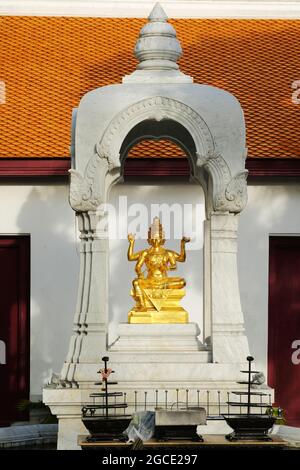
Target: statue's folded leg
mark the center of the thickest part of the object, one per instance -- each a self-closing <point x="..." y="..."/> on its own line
<point x="138" y="293"/>
<point x="175" y="283"/>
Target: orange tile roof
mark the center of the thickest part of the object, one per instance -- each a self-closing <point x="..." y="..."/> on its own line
<point x="48" y="63"/>
<point x="156" y="149"/>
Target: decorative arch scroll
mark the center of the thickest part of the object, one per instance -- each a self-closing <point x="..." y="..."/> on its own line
<point x="227" y="192"/>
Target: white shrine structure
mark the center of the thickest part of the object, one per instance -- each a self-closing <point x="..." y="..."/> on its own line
<point x="208" y="123"/>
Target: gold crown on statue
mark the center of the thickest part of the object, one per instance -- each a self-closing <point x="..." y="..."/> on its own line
<point x="156" y="230"/>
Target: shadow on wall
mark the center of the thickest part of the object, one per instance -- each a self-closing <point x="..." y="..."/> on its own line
<point x="270" y="210"/>
<point x="47" y="216"/>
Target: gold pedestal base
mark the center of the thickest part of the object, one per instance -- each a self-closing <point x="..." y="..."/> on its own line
<point x="163" y="316"/>
<point x="161" y="307"/>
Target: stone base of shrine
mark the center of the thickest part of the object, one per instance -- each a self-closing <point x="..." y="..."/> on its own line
<point x="158" y="337"/>
<point x="66" y="404"/>
<point x="154" y="365"/>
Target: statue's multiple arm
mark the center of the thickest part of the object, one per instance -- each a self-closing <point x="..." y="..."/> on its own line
<point x="172" y="259"/>
<point x="139" y="264"/>
<point x="130" y="254"/>
<point x="174" y="256"/>
<point x="139" y="256"/>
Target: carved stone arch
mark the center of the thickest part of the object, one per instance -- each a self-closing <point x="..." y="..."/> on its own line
<point x="224" y="191"/>
<point x="156" y="108"/>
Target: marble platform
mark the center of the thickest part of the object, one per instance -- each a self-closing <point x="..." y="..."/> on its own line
<point x="157" y="337"/>
<point x="148" y="360"/>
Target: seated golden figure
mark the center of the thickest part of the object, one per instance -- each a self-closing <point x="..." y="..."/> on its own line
<point x="157" y="296"/>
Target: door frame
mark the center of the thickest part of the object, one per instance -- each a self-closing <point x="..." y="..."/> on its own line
<point x="275" y="240"/>
<point x="23" y="242"/>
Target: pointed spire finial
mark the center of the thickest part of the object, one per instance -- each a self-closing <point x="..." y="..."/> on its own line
<point x="157" y="13"/>
<point x="157" y="46"/>
<point x="157" y="50"/>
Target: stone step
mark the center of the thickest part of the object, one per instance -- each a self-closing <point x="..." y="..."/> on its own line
<point x="23" y="435"/>
<point x="157" y="337"/>
<point x="159" y="357"/>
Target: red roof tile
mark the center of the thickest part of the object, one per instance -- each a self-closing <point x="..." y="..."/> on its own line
<point x="49" y="63"/>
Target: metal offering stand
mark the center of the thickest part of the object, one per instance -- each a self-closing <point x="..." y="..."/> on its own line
<point x="249" y="425"/>
<point x="101" y="419"/>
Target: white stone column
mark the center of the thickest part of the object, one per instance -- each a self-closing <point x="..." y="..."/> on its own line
<point x="91" y="317"/>
<point x="96" y="316"/>
<point x="207" y="320"/>
<point x="68" y="369"/>
<point x="229" y="342"/>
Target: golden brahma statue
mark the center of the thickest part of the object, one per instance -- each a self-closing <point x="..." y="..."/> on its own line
<point x="157" y="295"/>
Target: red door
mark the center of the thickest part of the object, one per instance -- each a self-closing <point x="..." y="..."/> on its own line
<point x="14" y="326"/>
<point x="284" y="325"/>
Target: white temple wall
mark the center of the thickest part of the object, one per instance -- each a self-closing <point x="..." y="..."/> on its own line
<point x="272" y="209"/>
<point x="174" y="8"/>
<point x="43" y="212"/>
